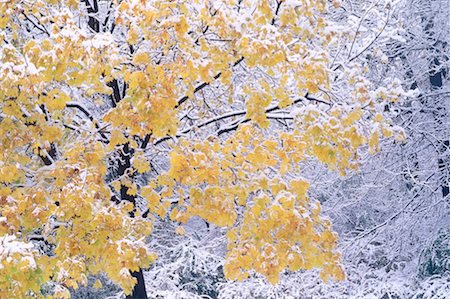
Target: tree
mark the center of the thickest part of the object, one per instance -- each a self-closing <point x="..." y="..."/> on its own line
<point x="117" y="114"/>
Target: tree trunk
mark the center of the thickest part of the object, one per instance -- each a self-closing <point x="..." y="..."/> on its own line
<point x="139" y="291"/>
<point x="436" y="78"/>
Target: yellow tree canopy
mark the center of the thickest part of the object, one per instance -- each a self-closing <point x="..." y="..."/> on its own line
<point x="117" y="112"/>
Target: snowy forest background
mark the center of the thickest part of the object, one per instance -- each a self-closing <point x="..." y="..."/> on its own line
<point x="392" y="215"/>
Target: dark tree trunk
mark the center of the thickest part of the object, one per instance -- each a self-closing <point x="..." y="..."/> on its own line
<point x="139" y="291"/>
<point x="92" y="9"/>
<point x="436" y="77"/>
<point x="443" y="148"/>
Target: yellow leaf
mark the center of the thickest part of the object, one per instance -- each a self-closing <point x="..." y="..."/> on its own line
<point x="180" y="231"/>
<point x="141" y="58"/>
<point x="98" y="284"/>
<point x="132" y="36"/>
<point x="352" y="116"/>
<point x="116" y="185"/>
<point x="141" y="164"/>
<point x="117" y="137"/>
<point x="374" y="141"/>
<point x="132" y="190"/>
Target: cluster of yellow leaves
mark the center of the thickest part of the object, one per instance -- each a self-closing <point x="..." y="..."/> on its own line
<point x="221" y="177"/>
<point x="88" y="230"/>
<point x="66" y="203"/>
<point x="177" y="45"/>
<point x="282" y="234"/>
<point x="17" y="266"/>
<point x="280" y="227"/>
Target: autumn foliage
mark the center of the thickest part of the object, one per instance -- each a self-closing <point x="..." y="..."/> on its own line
<point x="172" y="109"/>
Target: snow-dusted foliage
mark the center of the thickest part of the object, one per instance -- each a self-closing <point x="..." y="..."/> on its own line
<point x="294" y="149"/>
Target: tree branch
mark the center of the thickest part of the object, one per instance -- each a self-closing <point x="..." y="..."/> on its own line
<point x="90" y="117"/>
